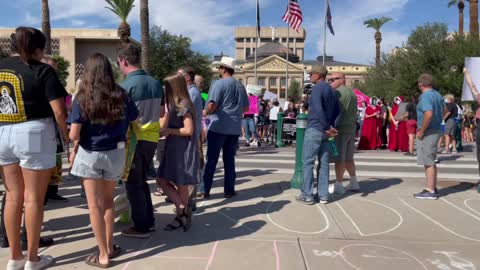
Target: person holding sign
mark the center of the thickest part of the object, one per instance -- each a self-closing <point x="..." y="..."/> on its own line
<point x="476" y="95"/>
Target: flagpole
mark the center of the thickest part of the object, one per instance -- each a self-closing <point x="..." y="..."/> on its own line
<point x="256" y="46"/>
<point x="288" y="53"/>
<point x="325" y="33"/>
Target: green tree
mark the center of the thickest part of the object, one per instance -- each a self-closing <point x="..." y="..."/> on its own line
<point x="122" y="9"/>
<point x="428" y="49"/>
<point x="172" y="51"/>
<point x="377" y="24"/>
<point x="295" y="90"/>
<point x="3" y="54"/>
<point x="62" y="70"/>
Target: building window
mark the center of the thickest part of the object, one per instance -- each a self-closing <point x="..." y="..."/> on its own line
<point x="356" y="81"/>
<point x="283" y="82"/>
<point x="273" y="82"/>
<point x="247" y="52"/>
<point x="261" y="81"/>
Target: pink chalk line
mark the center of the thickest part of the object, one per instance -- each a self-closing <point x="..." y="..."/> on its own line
<point x="277" y="257"/>
<point x="212" y="256"/>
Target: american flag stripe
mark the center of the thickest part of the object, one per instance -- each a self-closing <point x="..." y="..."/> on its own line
<point x="293" y="16"/>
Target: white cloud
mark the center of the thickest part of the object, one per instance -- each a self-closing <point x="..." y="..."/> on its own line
<point x="353" y="42"/>
<point x="78" y="23"/>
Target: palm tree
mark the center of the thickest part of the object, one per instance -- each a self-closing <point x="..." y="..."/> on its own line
<point x="144" y="25"/>
<point x="377" y="24"/>
<point x="461" y="6"/>
<point x="46" y="26"/>
<point x="474" y="18"/>
<point x="122" y="8"/>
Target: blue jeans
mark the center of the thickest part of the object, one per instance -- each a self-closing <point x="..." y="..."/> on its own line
<point x="316" y="145"/>
<point x="217" y="142"/>
<point x="249" y="126"/>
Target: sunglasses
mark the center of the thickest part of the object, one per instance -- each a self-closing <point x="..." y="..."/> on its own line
<point x="333" y="79"/>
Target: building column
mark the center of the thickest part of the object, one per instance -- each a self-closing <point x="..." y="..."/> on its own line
<point x="68" y="51"/>
<point x="245" y="48"/>
<point x="295" y="46"/>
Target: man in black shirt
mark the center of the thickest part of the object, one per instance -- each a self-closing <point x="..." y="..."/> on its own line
<point x="450" y="125"/>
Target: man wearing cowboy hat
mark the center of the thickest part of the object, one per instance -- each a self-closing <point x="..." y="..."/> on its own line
<point x="226" y="103"/>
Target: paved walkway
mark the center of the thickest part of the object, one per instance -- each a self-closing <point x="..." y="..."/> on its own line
<point x="383" y="227"/>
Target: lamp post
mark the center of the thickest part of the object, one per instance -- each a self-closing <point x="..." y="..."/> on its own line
<point x="279" y="130"/>
<point x="297" y="179"/>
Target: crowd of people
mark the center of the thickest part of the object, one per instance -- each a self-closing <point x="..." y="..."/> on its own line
<point x="115" y="129"/>
<point x="392" y="126"/>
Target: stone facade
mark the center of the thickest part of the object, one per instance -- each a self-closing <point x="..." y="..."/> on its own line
<point x="75" y="45"/>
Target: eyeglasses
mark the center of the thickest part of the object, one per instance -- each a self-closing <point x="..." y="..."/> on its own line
<point x="331" y="80"/>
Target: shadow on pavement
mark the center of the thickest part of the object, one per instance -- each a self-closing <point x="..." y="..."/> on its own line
<point x="371" y="186"/>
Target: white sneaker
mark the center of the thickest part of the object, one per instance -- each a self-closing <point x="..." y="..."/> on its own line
<point x="16" y="264"/>
<point x="353" y="186"/>
<point x="44" y="263"/>
<point x="338" y="188"/>
<point x="254" y="143"/>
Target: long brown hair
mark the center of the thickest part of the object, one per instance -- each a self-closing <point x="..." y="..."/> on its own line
<point x="177" y="94"/>
<point x="100" y="98"/>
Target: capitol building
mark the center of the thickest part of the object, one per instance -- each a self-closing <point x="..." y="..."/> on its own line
<point x="271" y="63"/>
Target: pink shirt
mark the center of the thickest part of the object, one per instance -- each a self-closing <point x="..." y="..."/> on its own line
<point x="253" y="109"/>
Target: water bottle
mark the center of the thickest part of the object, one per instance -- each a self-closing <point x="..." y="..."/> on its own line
<point x="333" y="147"/>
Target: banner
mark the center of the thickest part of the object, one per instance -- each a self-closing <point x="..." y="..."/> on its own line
<point x="361" y="97"/>
<point x="473" y="66"/>
<point x="269" y="96"/>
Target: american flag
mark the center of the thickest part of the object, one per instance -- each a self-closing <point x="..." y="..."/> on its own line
<point x="293" y="15"/>
<point x="329" y="19"/>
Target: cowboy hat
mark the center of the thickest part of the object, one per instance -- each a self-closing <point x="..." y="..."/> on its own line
<point x="227" y="62"/>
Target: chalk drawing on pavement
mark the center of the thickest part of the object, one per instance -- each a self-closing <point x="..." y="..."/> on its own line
<point x="440" y="224"/>
<point x="451" y="261"/>
<point x="324" y="215"/>
<point x="373" y="255"/>
<point x="396" y="226"/>
<point x="467" y="204"/>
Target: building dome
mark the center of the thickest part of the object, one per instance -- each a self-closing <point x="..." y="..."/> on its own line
<point x="273" y="48"/>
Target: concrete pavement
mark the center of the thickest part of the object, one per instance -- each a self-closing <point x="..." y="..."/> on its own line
<point x="383" y="227"/>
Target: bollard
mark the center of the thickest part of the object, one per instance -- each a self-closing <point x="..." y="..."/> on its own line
<point x="279" y="130"/>
<point x="297" y="179"/>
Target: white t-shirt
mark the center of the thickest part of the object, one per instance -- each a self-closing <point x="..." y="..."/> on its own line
<point x="274" y="113"/>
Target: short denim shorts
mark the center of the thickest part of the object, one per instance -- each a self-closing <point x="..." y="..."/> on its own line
<point x="32" y="144"/>
<point x="107" y="165"/>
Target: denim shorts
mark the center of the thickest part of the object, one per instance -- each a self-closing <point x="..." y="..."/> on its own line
<point x="107" y="165"/>
<point x="32" y="144"/>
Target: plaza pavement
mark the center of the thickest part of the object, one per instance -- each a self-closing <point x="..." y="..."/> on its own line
<point x="383" y="227"/>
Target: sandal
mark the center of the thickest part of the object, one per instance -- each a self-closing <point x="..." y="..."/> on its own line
<point x="117" y="250"/>
<point x="94" y="261"/>
<point x="175" y="225"/>
<point x="158" y="192"/>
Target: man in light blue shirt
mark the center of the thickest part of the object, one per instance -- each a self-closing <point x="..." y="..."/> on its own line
<point x="227" y="101"/>
<point x="430" y="110"/>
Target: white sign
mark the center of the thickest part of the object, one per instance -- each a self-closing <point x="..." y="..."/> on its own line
<point x="269" y="96"/>
<point x="473" y="66"/>
<point x="254" y="89"/>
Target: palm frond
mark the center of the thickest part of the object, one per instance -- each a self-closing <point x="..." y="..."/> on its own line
<point x="376" y="23"/>
<point x="121" y="8"/>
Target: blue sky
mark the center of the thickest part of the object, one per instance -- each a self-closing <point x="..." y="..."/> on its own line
<point x="210" y="23"/>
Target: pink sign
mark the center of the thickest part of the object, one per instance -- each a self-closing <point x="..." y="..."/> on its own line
<point x="253" y="109"/>
<point x="361" y="97"/>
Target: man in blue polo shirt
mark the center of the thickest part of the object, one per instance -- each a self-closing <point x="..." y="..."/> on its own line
<point x="430" y="111"/>
<point x="227" y="101"/>
<point x="323" y="111"/>
<point x="147" y="93"/>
